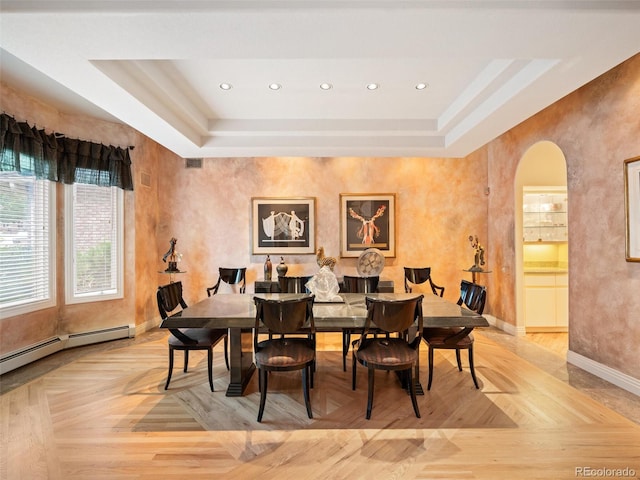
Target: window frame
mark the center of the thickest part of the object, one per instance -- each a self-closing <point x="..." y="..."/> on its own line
<point x="29" y="306"/>
<point x="71" y="297"/>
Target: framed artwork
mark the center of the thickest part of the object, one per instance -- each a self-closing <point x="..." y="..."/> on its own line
<point x="632" y="208"/>
<point x="367" y="221"/>
<point x="283" y="225"/>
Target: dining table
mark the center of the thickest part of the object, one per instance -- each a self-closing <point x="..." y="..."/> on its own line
<point x="237" y="313"/>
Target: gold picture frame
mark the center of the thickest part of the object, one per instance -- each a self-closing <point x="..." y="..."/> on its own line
<point x="632" y="208"/>
<point x="367" y="220"/>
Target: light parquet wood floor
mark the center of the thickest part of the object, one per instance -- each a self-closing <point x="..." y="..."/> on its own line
<point x="105" y="415"/>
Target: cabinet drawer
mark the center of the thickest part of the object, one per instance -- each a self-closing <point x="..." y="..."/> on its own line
<point x="534" y="280"/>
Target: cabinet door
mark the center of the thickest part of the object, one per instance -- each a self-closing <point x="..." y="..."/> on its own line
<point x="562" y="301"/>
<point x="540" y="306"/>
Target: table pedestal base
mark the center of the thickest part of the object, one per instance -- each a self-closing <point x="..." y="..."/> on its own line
<point x="241" y="366"/>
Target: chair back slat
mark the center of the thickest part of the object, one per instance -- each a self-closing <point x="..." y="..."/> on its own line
<point x="294" y="284"/>
<point x="394" y="315"/>
<point x="473" y="296"/>
<point x="169" y="297"/>
<point x="416" y="275"/>
<point x="285" y="316"/>
<point x="230" y="276"/>
<point x="353" y="284"/>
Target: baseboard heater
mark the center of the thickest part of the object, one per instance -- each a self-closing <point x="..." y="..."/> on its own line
<point x="30" y="354"/>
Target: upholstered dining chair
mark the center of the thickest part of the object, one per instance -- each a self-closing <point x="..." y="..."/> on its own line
<point x="418" y="276"/>
<point x="294" y="284"/>
<point x="230" y="276"/>
<point x="473" y="297"/>
<point x="353" y="284"/>
<point x="390" y="353"/>
<point x="291" y="345"/>
<point x="169" y="298"/>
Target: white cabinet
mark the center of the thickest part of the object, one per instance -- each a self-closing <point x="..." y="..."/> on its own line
<point x="546" y="301"/>
<point x="544" y="214"/>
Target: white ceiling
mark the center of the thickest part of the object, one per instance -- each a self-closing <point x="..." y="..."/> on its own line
<point x="156" y="65"/>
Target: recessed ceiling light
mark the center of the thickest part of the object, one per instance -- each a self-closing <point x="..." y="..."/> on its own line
<point x="421" y="86"/>
<point x="326" y="86"/>
<point x="275" y="86"/>
<point x="372" y="86"/>
<point x="225" y="86"/>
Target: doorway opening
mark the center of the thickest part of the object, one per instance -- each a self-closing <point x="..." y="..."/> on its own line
<point x="542" y="243"/>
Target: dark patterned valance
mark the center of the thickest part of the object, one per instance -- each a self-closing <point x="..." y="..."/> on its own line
<point x="30" y="151"/>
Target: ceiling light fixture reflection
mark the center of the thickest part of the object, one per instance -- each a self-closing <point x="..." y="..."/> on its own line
<point x="326" y="86"/>
<point x="421" y="86"/>
<point x="372" y="86"/>
<point x="225" y="86"/>
<point x="275" y="86"/>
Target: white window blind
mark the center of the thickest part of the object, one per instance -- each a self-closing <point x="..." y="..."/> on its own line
<point x="93" y="243"/>
<point x="27" y="244"/>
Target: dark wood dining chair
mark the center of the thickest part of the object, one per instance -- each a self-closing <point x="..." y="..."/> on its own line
<point x="169" y="298"/>
<point x="353" y="284"/>
<point x="294" y="284"/>
<point x="419" y="276"/>
<point x="291" y="345"/>
<point x="473" y="297"/>
<point x="390" y="353"/>
<point x="230" y="276"/>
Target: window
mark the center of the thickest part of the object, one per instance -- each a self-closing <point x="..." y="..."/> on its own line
<point x="27" y="244"/>
<point x="93" y="243"/>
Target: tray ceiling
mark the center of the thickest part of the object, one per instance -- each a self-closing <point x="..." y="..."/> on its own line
<point x="158" y="66"/>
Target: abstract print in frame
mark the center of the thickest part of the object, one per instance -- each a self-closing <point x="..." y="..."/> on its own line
<point x="632" y="208"/>
<point x="282" y="226"/>
<point x="367" y="221"/>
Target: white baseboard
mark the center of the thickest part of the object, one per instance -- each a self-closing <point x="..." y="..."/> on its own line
<point x="146" y="326"/>
<point x="26" y="355"/>
<point x="619" y="379"/>
<point x="609" y="374"/>
<point x="505" y="327"/>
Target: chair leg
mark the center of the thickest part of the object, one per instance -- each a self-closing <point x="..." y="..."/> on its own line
<point x="471" y="367"/>
<point x="346" y="339"/>
<point x="353" y="371"/>
<point x="430" y="367"/>
<point x="412" y="390"/>
<point x="226" y="354"/>
<point x="210" y="366"/>
<point x="458" y="359"/>
<point x="186" y="360"/>
<point x="166" y="385"/>
<point x="305" y="390"/>
<point x="263" y="391"/>
<point x="370" y="392"/>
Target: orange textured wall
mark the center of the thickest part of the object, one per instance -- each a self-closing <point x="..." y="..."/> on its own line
<point x="439" y="203"/>
<point x="597" y="127"/>
<point x="140" y="224"/>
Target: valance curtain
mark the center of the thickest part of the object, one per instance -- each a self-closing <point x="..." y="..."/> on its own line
<point x="30" y="151"/>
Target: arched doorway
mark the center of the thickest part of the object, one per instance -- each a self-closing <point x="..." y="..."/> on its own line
<point x="541" y="243"/>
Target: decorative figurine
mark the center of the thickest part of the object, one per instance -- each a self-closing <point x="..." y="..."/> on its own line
<point x="267" y="269"/>
<point x="172" y="256"/>
<point x="478" y="259"/>
<point x="325" y="261"/>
